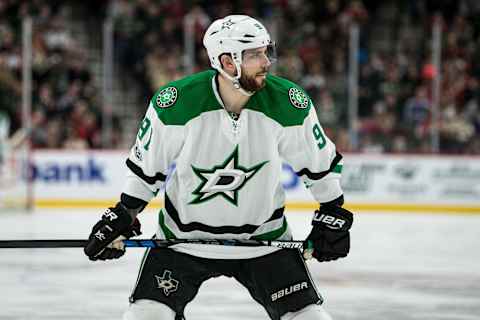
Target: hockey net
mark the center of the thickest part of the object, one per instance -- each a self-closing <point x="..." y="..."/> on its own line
<point x="15" y="185"/>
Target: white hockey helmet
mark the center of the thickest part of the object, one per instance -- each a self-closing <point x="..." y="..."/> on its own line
<point x="234" y="34"/>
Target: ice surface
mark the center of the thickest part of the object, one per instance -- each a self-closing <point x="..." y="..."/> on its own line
<point x="401" y="266"/>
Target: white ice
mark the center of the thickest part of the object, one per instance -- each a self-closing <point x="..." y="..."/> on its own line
<point x="401" y="266"/>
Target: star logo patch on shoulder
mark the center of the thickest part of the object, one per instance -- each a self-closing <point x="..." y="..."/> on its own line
<point x="167" y="97"/>
<point x="298" y="98"/>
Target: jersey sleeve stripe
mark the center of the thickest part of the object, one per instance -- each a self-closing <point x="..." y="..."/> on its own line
<point x="334" y="167"/>
<point x="139" y="172"/>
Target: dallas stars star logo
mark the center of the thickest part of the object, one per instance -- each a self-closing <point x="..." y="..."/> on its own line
<point x="223" y="180"/>
<point x="227" y="24"/>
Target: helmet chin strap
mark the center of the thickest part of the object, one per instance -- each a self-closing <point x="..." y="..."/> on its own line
<point x="236" y="80"/>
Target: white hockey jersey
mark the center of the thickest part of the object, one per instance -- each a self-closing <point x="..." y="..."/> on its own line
<point x="227" y="178"/>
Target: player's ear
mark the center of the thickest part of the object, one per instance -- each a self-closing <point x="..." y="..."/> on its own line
<point x="227" y="63"/>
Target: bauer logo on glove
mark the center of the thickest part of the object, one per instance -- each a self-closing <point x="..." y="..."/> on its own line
<point x="330" y="221"/>
<point x="330" y="237"/>
<point x="105" y="240"/>
<point x="109" y="214"/>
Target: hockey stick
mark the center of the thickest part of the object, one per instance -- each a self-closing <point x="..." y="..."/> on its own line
<point x="154" y="243"/>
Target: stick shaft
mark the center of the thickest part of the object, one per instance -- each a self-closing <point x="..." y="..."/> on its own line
<point x="20" y="244"/>
<point x="152" y="243"/>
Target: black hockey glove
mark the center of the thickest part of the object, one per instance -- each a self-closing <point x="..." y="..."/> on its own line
<point x="330" y="236"/>
<point x="104" y="242"/>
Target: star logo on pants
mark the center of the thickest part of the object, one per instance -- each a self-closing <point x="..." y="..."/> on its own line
<point x="166" y="282"/>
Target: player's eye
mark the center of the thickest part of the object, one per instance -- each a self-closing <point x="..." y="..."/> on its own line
<point x="254" y="55"/>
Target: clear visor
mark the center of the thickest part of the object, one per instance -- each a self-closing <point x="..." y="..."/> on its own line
<point x="258" y="55"/>
<point x="272" y="52"/>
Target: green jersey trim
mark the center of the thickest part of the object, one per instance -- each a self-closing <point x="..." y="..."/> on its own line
<point x="166" y="230"/>
<point x="183" y="100"/>
<point x="338" y="168"/>
<point x="274" y="234"/>
<point x="275" y="101"/>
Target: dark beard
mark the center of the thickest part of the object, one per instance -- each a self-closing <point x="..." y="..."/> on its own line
<point x="250" y="84"/>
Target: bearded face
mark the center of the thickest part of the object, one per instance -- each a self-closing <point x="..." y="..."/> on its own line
<point x="254" y="68"/>
<point x="253" y="80"/>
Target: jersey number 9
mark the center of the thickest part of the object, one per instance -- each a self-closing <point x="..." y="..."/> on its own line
<point x="143" y="131"/>
<point x="319" y="137"/>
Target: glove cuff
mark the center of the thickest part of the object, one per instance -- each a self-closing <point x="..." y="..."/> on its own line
<point x="121" y="218"/>
<point x="335" y="202"/>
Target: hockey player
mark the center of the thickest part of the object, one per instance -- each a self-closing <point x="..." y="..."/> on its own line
<point x="228" y="131"/>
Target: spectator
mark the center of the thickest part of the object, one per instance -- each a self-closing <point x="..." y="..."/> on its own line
<point x="396" y="71"/>
<point x="61" y="77"/>
<point x="417" y="109"/>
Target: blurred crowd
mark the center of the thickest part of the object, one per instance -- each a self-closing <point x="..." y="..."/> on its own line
<point x="65" y="102"/>
<point x="396" y="71"/>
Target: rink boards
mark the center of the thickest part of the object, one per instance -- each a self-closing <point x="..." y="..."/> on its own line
<point x="404" y="183"/>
